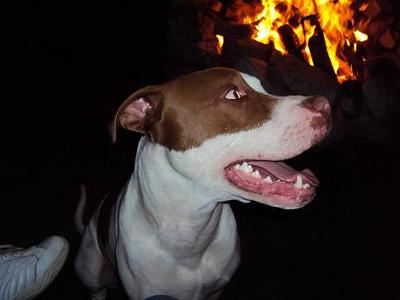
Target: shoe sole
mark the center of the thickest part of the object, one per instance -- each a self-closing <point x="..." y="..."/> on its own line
<point x="48" y="276"/>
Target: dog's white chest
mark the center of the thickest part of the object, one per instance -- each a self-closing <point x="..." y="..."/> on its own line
<point x="150" y="265"/>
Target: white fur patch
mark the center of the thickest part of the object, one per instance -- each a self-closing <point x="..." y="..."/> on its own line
<point x="254" y="83"/>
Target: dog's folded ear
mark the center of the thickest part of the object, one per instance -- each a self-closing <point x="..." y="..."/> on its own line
<point x="138" y="112"/>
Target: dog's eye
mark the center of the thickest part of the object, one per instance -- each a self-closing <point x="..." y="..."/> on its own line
<point x="234" y="94"/>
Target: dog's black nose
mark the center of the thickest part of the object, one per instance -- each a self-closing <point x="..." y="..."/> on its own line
<point x="318" y="104"/>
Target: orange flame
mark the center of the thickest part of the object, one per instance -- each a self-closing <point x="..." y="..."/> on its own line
<point x="220" y="40"/>
<point x="336" y="19"/>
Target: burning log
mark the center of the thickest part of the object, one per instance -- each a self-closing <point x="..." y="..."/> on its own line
<point x="291" y="41"/>
<point x="229" y="29"/>
<point x="317" y="47"/>
<point x="251" y="66"/>
<point x="234" y="49"/>
<point x="320" y="56"/>
<point x="355" y="59"/>
<point x="233" y="30"/>
<point x="288" y="75"/>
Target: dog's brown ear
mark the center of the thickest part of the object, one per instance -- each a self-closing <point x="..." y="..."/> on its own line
<point x="138" y="111"/>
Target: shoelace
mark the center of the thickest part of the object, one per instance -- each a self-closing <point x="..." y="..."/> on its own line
<point x="9" y="251"/>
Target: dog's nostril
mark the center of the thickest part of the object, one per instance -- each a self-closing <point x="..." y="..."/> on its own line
<point x="318" y="103"/>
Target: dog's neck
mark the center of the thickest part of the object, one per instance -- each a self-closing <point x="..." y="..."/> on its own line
<point x="183" y="214"/>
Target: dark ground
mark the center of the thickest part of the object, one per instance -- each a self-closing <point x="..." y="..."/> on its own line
<point x="68" y="68"/>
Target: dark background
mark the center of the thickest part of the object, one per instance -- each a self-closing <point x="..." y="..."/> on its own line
<point x="66" y="67"/>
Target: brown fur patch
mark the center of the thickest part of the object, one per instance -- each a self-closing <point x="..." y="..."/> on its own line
<point x="192" y="108"/>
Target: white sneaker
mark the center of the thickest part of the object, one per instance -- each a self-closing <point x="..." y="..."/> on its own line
<point x="25" y="273"/>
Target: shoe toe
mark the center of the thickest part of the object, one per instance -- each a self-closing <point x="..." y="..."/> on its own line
<point x="54" y="251"/>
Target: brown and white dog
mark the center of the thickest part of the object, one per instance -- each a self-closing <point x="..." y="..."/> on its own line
<point x="210" y="137"/>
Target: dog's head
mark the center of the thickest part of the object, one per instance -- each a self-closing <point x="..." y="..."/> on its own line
<point x="220" y="128"/>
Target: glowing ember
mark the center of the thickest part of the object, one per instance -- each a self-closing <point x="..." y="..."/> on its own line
<point x="220" y="39"/>
<point x="336" y="19"/>
<point x="362" y="37"/>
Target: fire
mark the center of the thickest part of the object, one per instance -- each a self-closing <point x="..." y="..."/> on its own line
<point x="220" y="40"/>
<point x="336" y="19"/>
<point x="362" y="37"/>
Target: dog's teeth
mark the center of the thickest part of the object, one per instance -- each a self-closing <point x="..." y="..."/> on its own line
<point x="245" y="167"/>
<point x="237" y="167"/>
<point x="306" y="186"/>
<point x="256" y="174"/>
<point x="299" y="182"/>
<point x="268" y="179"/>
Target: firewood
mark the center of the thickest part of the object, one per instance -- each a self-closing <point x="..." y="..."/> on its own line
<point x="291" y="41"/>
<point x="288" y="75"/>
<point x="387" y="39"/>
<point x="251" y="66"/>
<point x="226" y="28"/>
<point x="320" y="55"/>
<point x="282" y="7"/>
<point x="357" y="4"/>
<point x="377" y="27"/>
<point x="318" y="50"/>
<point x="233" y="30"/>
<point x="233" y="49"/>
<point x="355" y="59"/>
<point x="373" y="9"/>
<point x="295" y="20"/>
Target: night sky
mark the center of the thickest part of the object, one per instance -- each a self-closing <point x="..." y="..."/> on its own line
<point x="66" y="67"/>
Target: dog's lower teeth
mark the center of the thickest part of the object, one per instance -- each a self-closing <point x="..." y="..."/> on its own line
<point x="268" y="179"/>
<point x="248" y="169"/>
<point x="299" y="182"/>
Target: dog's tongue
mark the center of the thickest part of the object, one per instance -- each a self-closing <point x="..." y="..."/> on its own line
<point x="284" y="172"/>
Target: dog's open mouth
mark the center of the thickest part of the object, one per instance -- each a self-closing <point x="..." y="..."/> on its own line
<point x="274" y="180"/>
